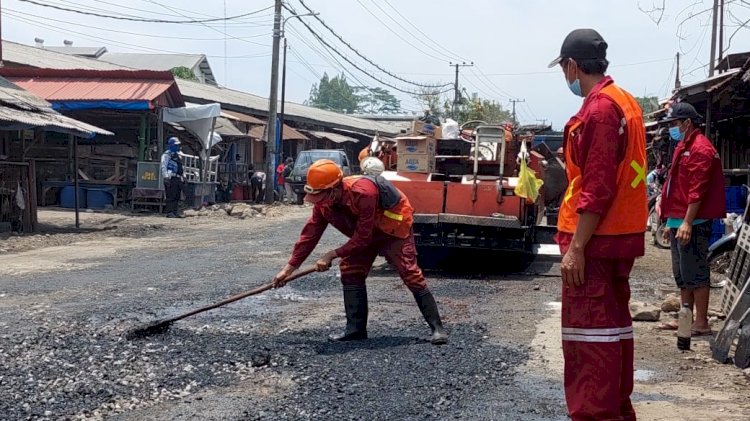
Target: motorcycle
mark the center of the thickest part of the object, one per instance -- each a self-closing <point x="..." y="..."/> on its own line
<point x="655" y="224"/>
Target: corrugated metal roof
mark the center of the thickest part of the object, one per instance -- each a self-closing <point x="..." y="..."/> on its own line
<point x="245" y="118"/>
<point x="225" y="127"/>
<point x="21" y="110"/>
<point x="198" y="92"/>
<point x="162" y="62"/>
<point x="91" y="52"/>
<point x="288" y="134"/>
<point x="333" y="137"/>
<point x="43" y="58"/>
<point x="87" y="85"/>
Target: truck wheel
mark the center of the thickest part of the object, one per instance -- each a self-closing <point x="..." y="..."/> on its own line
<point x="300" y="198"/>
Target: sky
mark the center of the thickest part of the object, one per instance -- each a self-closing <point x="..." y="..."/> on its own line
<point x="510" y="42"/>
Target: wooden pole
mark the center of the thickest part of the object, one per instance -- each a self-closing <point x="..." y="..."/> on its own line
<point x="74" y="142"/>
<point x="160" y="133"/>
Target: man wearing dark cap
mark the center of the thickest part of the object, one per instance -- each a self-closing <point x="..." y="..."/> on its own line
<point x="693" y="197"/>
<point x="600" y="232"/>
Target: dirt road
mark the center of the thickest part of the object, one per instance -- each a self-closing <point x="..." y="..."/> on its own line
<point x="66" y="299"/>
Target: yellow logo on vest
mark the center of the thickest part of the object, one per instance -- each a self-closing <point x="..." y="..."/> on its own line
<point x="640" y="172"/>
<point x="569" y="193"/>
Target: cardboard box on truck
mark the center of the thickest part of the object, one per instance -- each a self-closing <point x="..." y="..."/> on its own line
<point x="427" y="129"/>
<point x="423" y="163"/>
<point x="416" y="145"/>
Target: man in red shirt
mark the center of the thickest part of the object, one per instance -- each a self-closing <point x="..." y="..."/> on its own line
<point x="377" y="218"/>
<point x="280" y="181"/>
<point x="693" y="197"/>
<point x="600" y="232"/>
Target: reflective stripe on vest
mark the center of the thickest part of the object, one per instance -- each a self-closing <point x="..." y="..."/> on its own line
<point x="396" y="221"/>
<point x="629" y="209"/>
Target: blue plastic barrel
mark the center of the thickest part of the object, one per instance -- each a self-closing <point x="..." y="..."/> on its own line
<point x="67" y="197"/>
<point x="99" y="198"/>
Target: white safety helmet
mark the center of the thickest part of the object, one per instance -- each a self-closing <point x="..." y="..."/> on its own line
<point x="372" y="166"/>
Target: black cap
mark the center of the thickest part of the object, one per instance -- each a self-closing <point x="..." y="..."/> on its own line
<point x="582" y="44"/>
<point x="681" y="111"/>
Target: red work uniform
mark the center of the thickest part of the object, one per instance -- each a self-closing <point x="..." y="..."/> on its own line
<point x="597" y="333"/>
<point x="357" y="214"/>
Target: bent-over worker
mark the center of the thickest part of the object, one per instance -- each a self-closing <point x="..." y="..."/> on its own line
<point x="353" y="206"/>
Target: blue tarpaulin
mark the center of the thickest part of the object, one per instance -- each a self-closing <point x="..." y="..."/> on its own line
<point x="101" y="105"/>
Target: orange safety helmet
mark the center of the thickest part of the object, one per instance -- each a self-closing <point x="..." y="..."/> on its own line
<point x="323" y="174"/>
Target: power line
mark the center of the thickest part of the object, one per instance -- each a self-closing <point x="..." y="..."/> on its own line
<point x="129" y="46"/>
<point x="360" y="54"/>
<point x="210" y="27"/>
<point x="416" y="27"/>
<point x="399" y="35"/>
<point x="415" y="36"/>
<point x="348" y="60"/>
<point x="133" y="19"/>
<point x="126" y="32"/>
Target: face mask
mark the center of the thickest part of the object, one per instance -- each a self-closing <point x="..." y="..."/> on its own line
<point x="676" y="134"/>
<point x="575" y="86"/>
<point x="174" y="148"/>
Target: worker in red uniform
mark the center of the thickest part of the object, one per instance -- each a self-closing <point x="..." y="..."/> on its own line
<point x="600" y="232"/>
<point x="377" y="218"/>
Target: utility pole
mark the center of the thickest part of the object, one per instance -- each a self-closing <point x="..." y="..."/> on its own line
<point x="272" y="103"/>
<point x="721" y="31"/>
<point x="677" y="82"/>
<point x="714" y="28"/>
<point x="456" y="91"/>
<point x="514" y="101"/>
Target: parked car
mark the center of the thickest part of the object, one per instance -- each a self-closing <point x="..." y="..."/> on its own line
<point x="298" y="177"/>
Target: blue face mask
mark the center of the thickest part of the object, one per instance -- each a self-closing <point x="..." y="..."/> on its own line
<point x="575" y="87"/>
<point x="174" y="148"/>
<point x="676" y="134"/>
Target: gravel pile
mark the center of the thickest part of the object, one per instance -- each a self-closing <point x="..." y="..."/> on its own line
<point x="68" y="370"/>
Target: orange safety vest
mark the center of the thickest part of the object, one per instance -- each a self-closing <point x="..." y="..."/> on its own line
<point x="397" y="220"/>
<point x="629" y="208"/>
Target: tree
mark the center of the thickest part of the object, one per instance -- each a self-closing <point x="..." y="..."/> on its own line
<point x="432" y="99"/>
<point x="334" y="94"/>
<point x="476" y="108"/>
<point x="378" y="101"/>
<point x="648" y="104"/>
<point x="183" y="72"/>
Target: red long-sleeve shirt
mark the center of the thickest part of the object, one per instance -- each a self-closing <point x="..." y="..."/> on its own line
<point x="353" y="214"/>
<point x="598" y="149"/>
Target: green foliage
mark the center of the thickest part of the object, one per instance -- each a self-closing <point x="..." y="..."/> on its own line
<point x="378" y="101"/>
<point x="334" y="94"/>
<point x="183" y="72"/>
<point x="476" y="108"/>
<point x="648" y="104"/>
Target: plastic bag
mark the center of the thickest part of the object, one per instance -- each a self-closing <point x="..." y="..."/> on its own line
<point x="450" y="129"/>
<point x="528" y="185"/>
<point x="20" y="197"/>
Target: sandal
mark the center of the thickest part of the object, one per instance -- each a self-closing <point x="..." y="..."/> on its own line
<point x="708" y="332"/>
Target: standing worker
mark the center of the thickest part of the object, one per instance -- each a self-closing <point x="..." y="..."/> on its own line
<point x="355" y="206"/>
<point x="694" y="196"/>
<point x="173" y="174"/>
<point x="288" y="191"/>
<point x="600" y="232"/>
<point x="280" y="181"/>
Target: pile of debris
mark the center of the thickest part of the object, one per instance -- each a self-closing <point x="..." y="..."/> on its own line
<point x="236" y="210"/>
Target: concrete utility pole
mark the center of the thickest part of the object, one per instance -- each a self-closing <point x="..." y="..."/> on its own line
<point x="514" y="101"/>
<point x="721" y="31"/>
<point x="273" y="98"/>
<point x="456" y="91"/>
<point x="714" y="27"/>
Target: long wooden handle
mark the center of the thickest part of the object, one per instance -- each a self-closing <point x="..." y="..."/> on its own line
<point x="240" y="296"/>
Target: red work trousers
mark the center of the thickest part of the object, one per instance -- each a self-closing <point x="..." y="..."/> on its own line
<point x="597" y="340"/>
<point x="400" y="253"/>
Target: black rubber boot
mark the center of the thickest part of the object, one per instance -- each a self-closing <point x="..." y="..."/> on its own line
<point x="428" y="307"/>
<point x="355" y="306"/>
